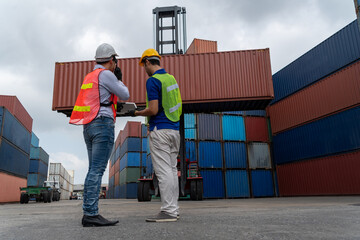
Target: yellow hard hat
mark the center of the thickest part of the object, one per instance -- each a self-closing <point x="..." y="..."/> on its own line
<point x="149" y="53"/>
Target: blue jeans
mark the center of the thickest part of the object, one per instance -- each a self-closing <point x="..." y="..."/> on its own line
<point x="99" y="139"/>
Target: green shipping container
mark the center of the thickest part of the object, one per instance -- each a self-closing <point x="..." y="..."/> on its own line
<point x="128" y="175"/>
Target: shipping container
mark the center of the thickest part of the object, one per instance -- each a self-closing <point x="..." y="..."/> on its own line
<point x="112" y="181"/>
<point x="189" y="121"/>
<point x="332" y="94"/>
<point x="131" y="144"/>
<point x="117" y="153"/>
<point x="12" y="159"/>
<point x="333" y="175"/>
<point x="210" y="155"/>
<point x="329" y="56"/>
<point x="233" y="128"/>
<point x="262" y="183"/>
<point x="38" y="166"/>
<point x="57" y="169"/>
<point x="235" y="154"/>
<point x="144" y="144"/>
<point x="111" y="171"/>
<point x="246" y="81"/>
<point x="213" y="183"/>
<point x="14" y="131"/>
<point x="15" y="107"/>
<point x="34" y="140"/>
<point x="144" y="130"/>
<point x="130" y="159"/>
<point x="256" y="129"/>
<point x="131" y="129"/>
<point x="237" y="184"/>
<point x="202" y="46"/>
<point x="10" y="187"/>
<point x="149" y="166"/>
<point x="117" y="192"/>
<point x="191" y="151"/>
<point x="128" y="191"/>
<point x="190" y="133"/>
<point x="117" y="178"/>
<point x="259" y="155"/>
<point x="117" y="166"/>
<point x="209" y="127"/>
<point x="143" y="159"/>
<point x="328" y="136"/>
<point x="39" y="153"/>
<point x="128" y="175"/>
<point x="36" y="180"/>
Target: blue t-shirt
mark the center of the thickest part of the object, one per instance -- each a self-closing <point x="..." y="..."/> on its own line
<point x="153" y="89"/>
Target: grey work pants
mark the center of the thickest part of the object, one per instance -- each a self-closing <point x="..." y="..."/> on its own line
<point x="164" y="147"/>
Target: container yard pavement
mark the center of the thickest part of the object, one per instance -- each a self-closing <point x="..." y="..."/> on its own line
<point x="261" y="218"/>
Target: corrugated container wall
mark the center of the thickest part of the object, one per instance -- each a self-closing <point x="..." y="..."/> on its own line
<point x="10" y="187"/>
<point x="245" y="76"/>
<point x="331" y="94"/>
<point x="202" y="46"/>
<point x="13" y="104"/>
<point x="334" y="53"/>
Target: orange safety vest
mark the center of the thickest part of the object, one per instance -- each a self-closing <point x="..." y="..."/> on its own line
<point x="87" y="104"/>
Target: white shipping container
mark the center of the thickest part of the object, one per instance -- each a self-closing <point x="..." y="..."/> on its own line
<point x="65" y="195"/>
<point x="57" y="177"/>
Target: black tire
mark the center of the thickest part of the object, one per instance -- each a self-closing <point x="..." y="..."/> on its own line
<point x="22" y="198"/>
<point x="26" y="198"/>
<point x="49" y="197"/>
<point x="45" y="196"/>
<point x="146" y="191"/>
<point x="140" y="191"/>
<point x="193" y="192"/>
<point x="199" y="190"/>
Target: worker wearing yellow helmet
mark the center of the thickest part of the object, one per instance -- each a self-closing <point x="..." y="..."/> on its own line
<point x="163" y="110"/>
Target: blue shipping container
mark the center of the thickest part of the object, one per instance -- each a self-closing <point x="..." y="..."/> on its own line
<point x="149" y="166"/>
<point x="210" y="155"/>
<point x="35" y="180"/>
<point x="328" y="136"/>
<point x="235" y="155"/>
<point x="262" y="183"/>
<point x="189" y="120"/>
<point x="117" y="153"/>
<point x="13" y="160"/>
<point x="39" y="153"/>
<point x="130" y="159"/>
<point x="237" y="183"/>
<point x="117" y="192"/>
<point x="14" y="131"/>
<point x="112" y="181"/>
<point x="38" y="166"/>
<point x="144" y="145"/>
<point x="233" y="128"/>
<point x="260" y="113"/>
<point x="190" y="150"/>
<point x="190" y="133"/>
<point x="128" y="191"/>
<point x="131" y="144"/>
<point x="34" y="140"/>
<point x="143" y="159"/>
<point x="334" y="53"/>
<point x="143" y="130"/>
<point x="213" y="183"/>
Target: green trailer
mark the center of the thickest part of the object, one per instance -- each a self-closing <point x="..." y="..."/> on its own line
<point x="41" y="194"/>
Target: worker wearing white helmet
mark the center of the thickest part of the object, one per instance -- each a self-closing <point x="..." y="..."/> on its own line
<point x="95" y="109"/>
<point x="163" y="109"/>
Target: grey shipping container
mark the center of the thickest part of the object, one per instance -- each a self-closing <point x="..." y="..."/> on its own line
<point x="259" y="155"/>
<point x="209" y="127"/>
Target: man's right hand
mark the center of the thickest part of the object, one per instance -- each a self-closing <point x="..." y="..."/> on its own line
<point x="118" y="73"/>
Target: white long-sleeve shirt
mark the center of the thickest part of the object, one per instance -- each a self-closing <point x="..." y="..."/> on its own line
<point x="108" y="83"/>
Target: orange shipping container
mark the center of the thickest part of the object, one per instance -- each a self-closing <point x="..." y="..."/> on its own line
<point x="334" y="93"/>
<point x="202" y="46"/>
<point x="10" y="187"/>
<point x="222" y="81"/>
<point x="117" y="178"/>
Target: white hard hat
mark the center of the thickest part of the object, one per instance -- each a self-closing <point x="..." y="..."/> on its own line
<point x="104" y="53"/>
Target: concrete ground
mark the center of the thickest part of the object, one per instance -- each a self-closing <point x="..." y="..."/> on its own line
<point x="262" y="218"/>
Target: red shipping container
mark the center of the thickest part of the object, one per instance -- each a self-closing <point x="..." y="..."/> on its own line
<point x="333" y="175"/>
<point x="15" y="107"/>
<point x="223" y="81"/>
<point x="10" y="187"/>
<point x="118" y="139"/>
<point x="111" y="171"/>
<point x="131" y="129"/>
<point x="202" y="46"/>
<point x="330" y="95"/>
<point x="117" y="166"/>
<point x="117" y="178"/>
<point x="256" y="129"/>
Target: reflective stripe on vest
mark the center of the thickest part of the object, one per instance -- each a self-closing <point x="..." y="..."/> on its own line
<point x="171" y="97"/>
<point x="87" y="104"/>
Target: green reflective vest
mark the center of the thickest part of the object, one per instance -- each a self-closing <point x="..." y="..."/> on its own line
<point x="171" y="98"/>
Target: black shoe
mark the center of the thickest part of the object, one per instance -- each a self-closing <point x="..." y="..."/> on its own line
<point x="96" y="221"/>
<point x="162" y="217"/>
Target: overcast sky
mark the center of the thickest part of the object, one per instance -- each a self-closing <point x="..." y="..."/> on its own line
<point x="36" y="34"/>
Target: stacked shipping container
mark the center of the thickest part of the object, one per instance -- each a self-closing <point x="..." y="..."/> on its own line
<point x="58" y="173"/>
<point x="315" y="119"/>
<point x="126" y="162"/>
<point x="15" y="139"/>
<point x="39" y="160"/>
